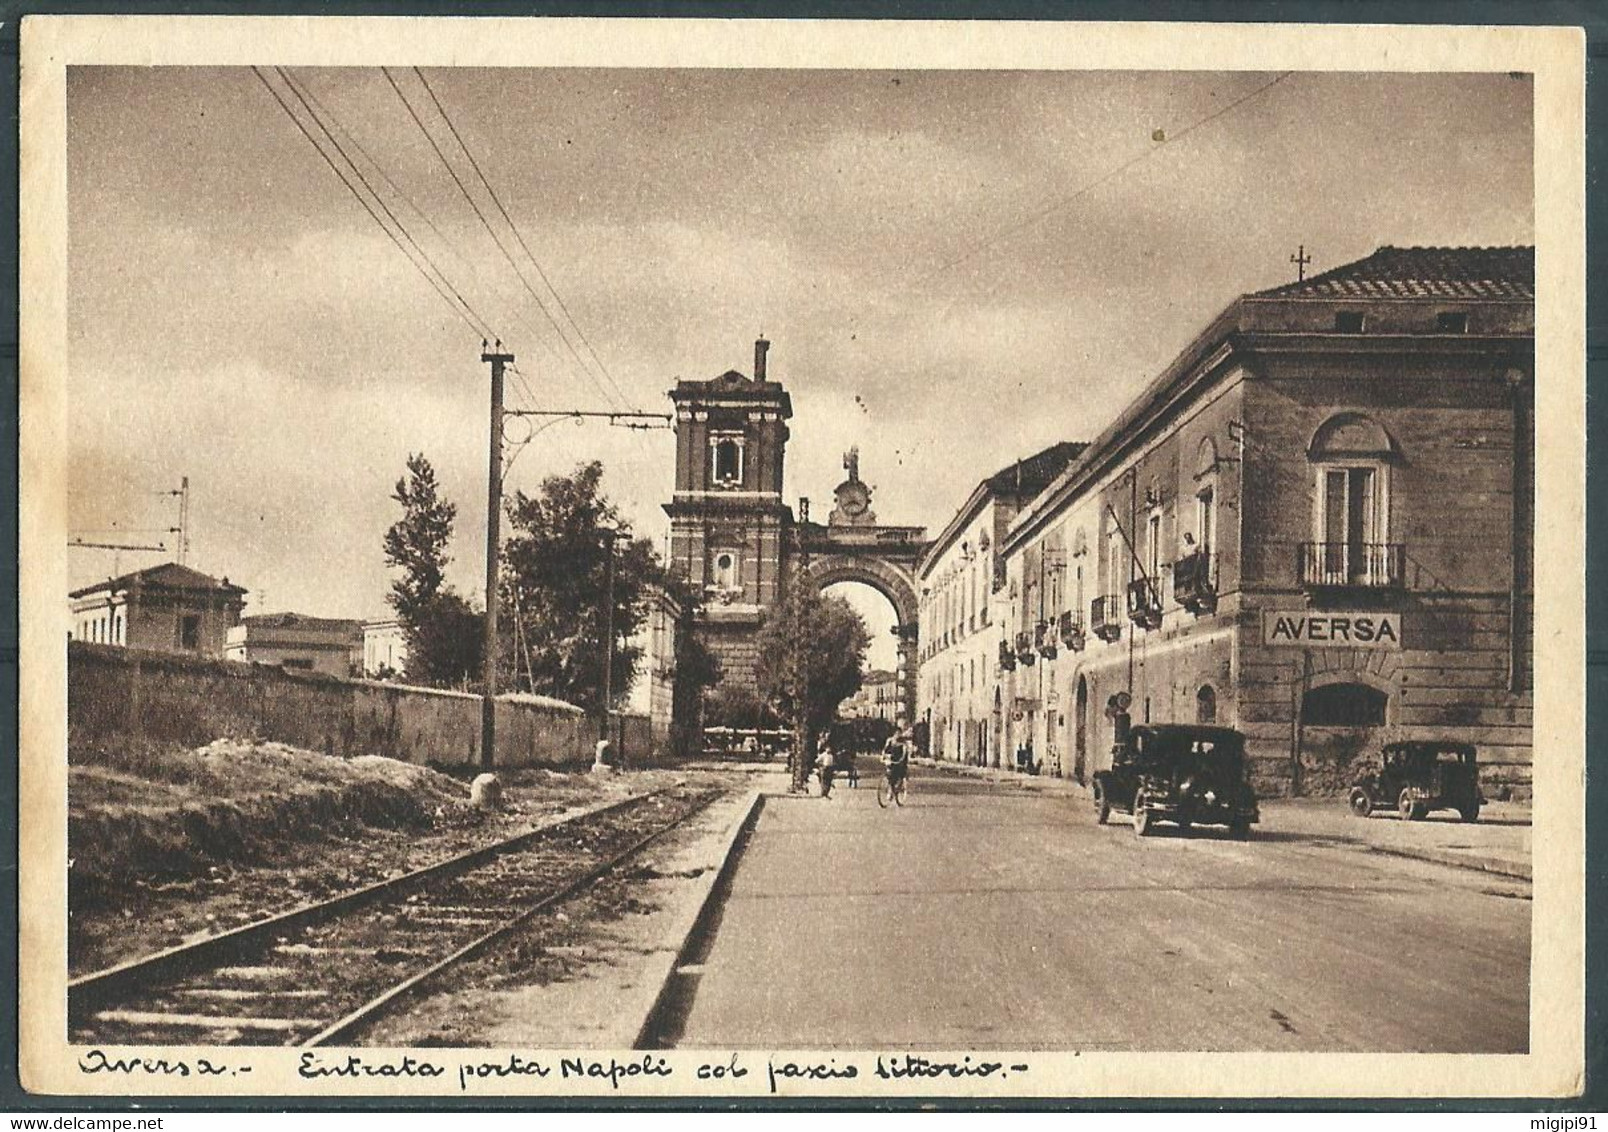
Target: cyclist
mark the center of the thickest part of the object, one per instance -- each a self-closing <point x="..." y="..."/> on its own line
<point x="896" y="758"/>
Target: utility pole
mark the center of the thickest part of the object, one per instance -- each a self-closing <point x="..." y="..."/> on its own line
<point x="609" y="535"/>
<point x="488" y="675"/>
<point x="183" y="529"/>
<point x="801" y="653"/>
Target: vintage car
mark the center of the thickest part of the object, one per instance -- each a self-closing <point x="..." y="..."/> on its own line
<point x="1178" y="773"/>
<point x="1417" y="776"/>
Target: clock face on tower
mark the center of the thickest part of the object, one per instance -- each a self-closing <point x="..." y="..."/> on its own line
<point x="853" y="499"/>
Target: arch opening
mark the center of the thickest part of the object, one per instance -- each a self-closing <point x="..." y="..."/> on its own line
<point x="895" y="590"/>
<point x="1344" y="705"/>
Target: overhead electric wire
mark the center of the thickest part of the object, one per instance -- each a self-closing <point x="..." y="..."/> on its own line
<point x="295" y="88"/>
<point x="1057" y="205"/>
<point x="537" y="335"/>
<point x="475" y="205"/>
<point x="497" y="200"/>
<point x="464" y="313"/>
<point x="467" y="263"/>
<point x="378" y="168"/>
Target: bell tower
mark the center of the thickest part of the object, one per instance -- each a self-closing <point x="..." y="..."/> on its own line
<point x="728" y="520"/>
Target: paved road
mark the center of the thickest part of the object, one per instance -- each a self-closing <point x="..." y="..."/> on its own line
<point x="986" y="917"/>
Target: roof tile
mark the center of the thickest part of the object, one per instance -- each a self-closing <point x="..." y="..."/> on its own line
<point x="1410" y="273"/>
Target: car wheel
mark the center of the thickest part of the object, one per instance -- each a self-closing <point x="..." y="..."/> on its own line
<point x="1141" y="818"/>
<point x="1102" y="805"/>
<point x="1469" y="813"/>
<point x="1361" y="803"/>
<point x="1409" y="810"/>
<point x="1240" y="830"/>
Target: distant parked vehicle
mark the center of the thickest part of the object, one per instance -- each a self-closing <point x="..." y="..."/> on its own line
<point x="1179" y="773"/>
<point x="1417" y="776"/>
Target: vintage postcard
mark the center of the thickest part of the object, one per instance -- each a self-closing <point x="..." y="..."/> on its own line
<point x="769" y="559"/>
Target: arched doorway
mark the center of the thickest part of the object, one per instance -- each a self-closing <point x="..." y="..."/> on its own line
<point x="1080" y="739"/>
<point x="881" y="688"/>
<point x="895" y="585"/>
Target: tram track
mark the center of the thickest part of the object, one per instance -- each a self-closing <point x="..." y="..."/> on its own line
<point x="321" y="972"/>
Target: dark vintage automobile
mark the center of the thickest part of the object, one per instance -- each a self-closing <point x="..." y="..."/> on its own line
<point x="1417" y="776"/>
<point x="1178" y="773"/>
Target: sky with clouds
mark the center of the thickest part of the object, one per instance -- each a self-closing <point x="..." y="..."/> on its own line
<point x="956" y="269"/>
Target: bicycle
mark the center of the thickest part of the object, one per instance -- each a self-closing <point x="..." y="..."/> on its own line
<point x="892" y="792"/>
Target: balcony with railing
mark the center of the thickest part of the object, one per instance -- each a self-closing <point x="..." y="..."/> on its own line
<point x="1007" y="658"/>
<point x="1352" y="565"/>
<point x="1044" y="639"/>
<point x="1070" y="626"/>
<point x="1195" y="582"/>
<point x="1144" y="603"/>
<point x="1105" y="617"/>
<point x="1024" y="647"/>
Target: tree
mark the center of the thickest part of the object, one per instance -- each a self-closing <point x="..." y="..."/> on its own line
<point x="553" y="590"/>
<point x="738" y="707"/>
<point x="443" y="633"/>
<point x="444" y="643"/>
<point x="696" y="668"/>
<point x="811" y="650"/>
<point x="417" y="543"/>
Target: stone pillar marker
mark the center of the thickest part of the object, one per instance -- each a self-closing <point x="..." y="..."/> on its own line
<point x="486" y="792"/>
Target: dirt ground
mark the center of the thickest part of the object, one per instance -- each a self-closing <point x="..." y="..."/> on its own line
<point x="199" y="842"/>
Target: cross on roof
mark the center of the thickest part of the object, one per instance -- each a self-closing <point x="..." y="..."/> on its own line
<point x="1300" y="259"/>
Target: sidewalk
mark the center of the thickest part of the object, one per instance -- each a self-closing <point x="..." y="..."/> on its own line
<point x="1498" y="843"/>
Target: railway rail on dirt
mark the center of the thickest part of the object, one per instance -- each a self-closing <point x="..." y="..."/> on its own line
<point x="321" y="972"/>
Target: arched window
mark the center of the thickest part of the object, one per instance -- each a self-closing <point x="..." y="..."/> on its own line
<point x="728" y="459"/>
<point x="1343" y="705"/>
<point x="1206" y="704"/>
<point x="726" y="569"/>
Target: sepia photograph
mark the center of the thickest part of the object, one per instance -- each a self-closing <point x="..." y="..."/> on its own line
<point x="817" y="560"/>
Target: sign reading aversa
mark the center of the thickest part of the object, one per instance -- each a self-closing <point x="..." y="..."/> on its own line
<point x="1306" y="628"/>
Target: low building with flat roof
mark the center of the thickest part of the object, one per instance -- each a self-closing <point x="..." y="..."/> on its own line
<point x="333" y="646"/>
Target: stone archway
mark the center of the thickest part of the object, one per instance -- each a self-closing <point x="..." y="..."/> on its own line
<point x="894" y="582"/>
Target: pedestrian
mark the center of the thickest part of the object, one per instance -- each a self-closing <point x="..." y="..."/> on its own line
<point x="823" y="763"/>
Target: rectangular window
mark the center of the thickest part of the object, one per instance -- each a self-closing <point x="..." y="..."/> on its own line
<point x="1349" y="521"/>
<point x="1348" y="322"/>
<point x="190" y="632"/>
<point x="1451" y="322"/>
<point x="728" y="459"/>
<point x="1206" y="519"/>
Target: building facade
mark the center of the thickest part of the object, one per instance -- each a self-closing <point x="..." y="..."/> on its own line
<point x="877" y="698"/>
<point x="329" y="645"/>
<point x="1314" y="526"/>
<point x="960" y="698"/>
<point x="385" y="647"/>
<point x="169" y="607"/>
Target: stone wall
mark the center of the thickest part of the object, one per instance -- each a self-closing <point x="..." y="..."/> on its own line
<point x="116" y="694"/>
